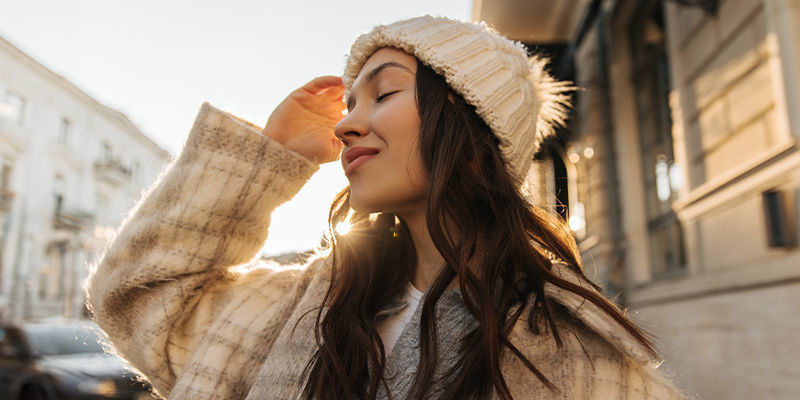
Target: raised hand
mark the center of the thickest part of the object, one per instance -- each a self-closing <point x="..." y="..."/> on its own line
<point x="304" y="121"/>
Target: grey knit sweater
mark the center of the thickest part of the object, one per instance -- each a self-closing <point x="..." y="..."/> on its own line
<point x="182" y="297"/>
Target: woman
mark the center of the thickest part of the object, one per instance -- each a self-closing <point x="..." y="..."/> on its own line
<point x="449" y="285"/>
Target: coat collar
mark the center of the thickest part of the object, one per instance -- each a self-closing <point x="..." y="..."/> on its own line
<point x="590" y="314"/>
<point x="595" y="318"/>
<point x="453" y="318"/>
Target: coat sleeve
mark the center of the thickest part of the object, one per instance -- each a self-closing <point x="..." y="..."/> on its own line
<point x="166" y="277"/>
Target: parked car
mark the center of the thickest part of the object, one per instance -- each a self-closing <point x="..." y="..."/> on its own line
<point x="58" y="360"/>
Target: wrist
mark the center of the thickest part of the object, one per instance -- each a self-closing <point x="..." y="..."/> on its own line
<point x="295" y="144"/>
<point x="300" y="147"/>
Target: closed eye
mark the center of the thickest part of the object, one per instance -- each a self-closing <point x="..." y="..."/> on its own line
<point x="385" y="95"/>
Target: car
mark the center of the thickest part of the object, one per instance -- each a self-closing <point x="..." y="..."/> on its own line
<point x="63" y="360"/>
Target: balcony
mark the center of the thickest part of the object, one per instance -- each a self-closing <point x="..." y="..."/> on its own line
<point x="112" y="170"/>
<point x="71" y="219"/>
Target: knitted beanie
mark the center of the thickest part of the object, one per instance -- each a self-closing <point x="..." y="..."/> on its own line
<point x="513" y="94"/>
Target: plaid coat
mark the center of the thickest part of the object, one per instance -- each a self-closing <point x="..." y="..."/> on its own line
<point x="182" y="297"/>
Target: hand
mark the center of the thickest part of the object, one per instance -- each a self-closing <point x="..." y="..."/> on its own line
<point x="304" y="121"/>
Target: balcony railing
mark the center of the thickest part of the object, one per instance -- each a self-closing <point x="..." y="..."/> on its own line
<point x="71" y="219"/>
<point x="112" y="170"/>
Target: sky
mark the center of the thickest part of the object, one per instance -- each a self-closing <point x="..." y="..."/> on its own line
<point x="158" y="61"/>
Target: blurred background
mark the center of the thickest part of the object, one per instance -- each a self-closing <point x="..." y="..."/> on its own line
<point x="678" y="172"/>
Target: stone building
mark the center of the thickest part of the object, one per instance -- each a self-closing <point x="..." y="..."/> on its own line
<point x="70" y="167"/>
<point x="679" y="173"/>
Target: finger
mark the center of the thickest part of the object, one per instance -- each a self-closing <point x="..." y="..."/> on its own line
<point x="332" y="92"/>
<point x="333" y="95"/>
<point x="323" y="82"/>
<point x="334" y="109"/>
<point x="337" y="108"/>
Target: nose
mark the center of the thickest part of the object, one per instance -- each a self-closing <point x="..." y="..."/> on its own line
<point x="353" y="125"/>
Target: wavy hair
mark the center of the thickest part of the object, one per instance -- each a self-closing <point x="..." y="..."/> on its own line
<point x="473" y="201"/>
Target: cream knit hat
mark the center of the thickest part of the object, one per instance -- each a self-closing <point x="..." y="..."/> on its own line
<point x="513" y="94"/>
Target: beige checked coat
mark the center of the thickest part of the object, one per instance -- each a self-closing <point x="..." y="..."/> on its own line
<point x="182" y="297"/>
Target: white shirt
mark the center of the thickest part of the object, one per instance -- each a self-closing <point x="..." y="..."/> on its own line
<point x="390" y="328"/>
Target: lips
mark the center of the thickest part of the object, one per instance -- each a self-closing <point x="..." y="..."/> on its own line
<point x="357" y="156"/>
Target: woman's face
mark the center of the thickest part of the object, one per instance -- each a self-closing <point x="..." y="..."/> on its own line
<point x="380" y="131"/>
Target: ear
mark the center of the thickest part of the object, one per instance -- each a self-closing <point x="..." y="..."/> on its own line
<point x="451" y="97"/>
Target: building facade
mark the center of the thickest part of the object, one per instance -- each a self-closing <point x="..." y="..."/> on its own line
<point x="70" y="169"/>
<point x="679" y="174"/>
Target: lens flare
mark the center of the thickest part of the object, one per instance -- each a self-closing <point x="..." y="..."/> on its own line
<point x="343" y="227"/>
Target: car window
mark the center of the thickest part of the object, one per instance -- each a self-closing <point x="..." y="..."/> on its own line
<point x="51" y="340"/>
<point x="9" y="342"/>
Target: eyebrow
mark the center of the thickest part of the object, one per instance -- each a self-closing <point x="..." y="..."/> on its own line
<point x="374" y="74"/>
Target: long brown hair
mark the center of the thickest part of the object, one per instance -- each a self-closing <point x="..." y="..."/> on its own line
<point x="472" y="199"/>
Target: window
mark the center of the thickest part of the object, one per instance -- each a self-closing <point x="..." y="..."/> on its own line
<point x="52" y="275"/>
<point x="135" y="171"/>
<point x="44" y="281"/>
<point x="5" y="175"/>
<point x="102" y="210"/>
<point x="662" y="176"/>
<point x="6" y="195"/>
<point x="11" y="344"/>
<point x="58" y="193"/>
<point x="64" y="132"/>
<point x="105" y="151"/>
<point x="12" y="106"/>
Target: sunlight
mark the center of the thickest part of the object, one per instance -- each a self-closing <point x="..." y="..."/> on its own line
<point x="299" y="224"/>
<point x="343" y="228"/>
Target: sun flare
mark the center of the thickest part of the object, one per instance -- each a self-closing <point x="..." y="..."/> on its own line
<point x="300" y="224"/>
<point x="343" y="228"/>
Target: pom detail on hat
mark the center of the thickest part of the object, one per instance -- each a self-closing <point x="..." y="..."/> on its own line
<point x="554" y="102"/>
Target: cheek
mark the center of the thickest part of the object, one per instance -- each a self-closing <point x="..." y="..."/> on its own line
<point x="400" y="114"/>
<point x="400" y="131"/>
<point x="398" y="124"/>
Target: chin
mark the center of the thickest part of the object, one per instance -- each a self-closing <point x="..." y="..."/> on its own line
<point x="361" y="205"/>
<point x="366" y="198"/>
<point x="386" y="198"/>
<point x="371" y="201"/>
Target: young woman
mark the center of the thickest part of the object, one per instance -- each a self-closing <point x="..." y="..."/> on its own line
<point x="449" y="285"/>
